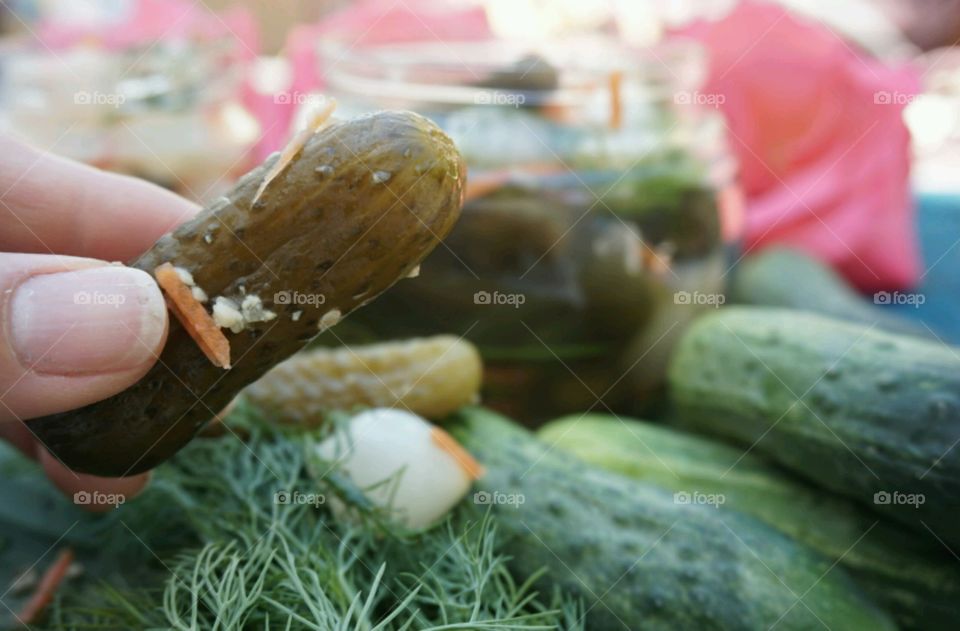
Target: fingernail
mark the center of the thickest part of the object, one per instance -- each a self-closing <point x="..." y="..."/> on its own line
<point x="101" y="319"/>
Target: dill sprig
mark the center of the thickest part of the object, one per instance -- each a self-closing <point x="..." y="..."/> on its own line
<point x="210" y="547"/>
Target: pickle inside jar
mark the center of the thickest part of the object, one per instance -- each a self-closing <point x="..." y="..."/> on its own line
<point x="560" y="292"/>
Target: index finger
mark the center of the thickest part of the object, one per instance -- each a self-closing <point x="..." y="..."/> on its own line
<point x="49" y="204"/>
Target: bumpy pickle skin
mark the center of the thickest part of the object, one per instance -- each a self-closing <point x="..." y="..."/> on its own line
<point x="359" y="208"/>
<point x="431" y="377"/>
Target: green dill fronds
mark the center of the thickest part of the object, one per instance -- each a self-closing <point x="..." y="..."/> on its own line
<point x="211" y="546"/>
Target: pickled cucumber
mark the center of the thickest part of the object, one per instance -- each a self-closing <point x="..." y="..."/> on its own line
<point x="431" y="377"/>
<point x="358" y="208"/>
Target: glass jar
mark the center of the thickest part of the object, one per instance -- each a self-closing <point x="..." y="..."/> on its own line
<point x="592" y="231"/>
<point x="167" y="111"/>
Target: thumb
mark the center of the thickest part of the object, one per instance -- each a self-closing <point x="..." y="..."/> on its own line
<point x="74" y="331"/>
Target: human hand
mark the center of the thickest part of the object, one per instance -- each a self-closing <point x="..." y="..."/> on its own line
<point x="75" y="328"/>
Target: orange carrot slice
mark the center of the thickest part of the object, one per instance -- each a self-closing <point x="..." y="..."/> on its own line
<point x="616" y="99"/>
<point x="47" y="588"/>
<point x="193" y="316"/>
<point x="446" y="442"/>
<point x="317" y="120"/>
<point x="482" y="186"/>
<point x="491" y="181"/>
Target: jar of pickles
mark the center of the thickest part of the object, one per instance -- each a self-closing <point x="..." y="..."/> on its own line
<point x="600" y="201"/>
<point x="168" y="111"/>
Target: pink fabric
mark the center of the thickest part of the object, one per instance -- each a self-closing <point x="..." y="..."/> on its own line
<point x="824" y="165"/>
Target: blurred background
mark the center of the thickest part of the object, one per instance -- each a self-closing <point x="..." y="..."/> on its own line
<point x="631" y="162"/>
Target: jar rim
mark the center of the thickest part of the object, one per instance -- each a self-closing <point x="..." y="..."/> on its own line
<point x="460" y="72"/>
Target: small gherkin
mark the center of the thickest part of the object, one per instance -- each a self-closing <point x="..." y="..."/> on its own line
<point x="432" y="377"/>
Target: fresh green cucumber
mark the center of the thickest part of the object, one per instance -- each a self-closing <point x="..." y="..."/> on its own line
<point x="871" y="415"/>
<point x="912" y="577"/>
<point x="641" y="560"/>
<point x="788" y="278"/>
